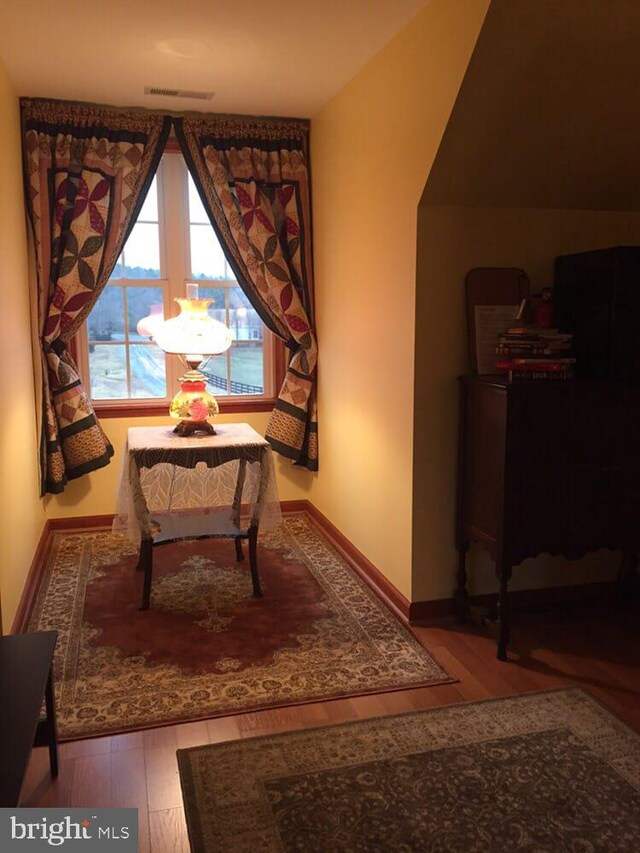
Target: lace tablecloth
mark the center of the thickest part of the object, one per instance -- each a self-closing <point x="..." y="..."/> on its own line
<point x="173" y="487"/>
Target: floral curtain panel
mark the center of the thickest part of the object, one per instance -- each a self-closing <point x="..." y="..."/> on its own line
<point x="87" y="172"/>
<point x="253" y="178"/>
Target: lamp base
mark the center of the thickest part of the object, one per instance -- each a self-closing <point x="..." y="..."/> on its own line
<point x="186" y="428"/>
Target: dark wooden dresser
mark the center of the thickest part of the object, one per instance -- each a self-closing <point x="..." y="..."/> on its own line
<point x="545" y="467"/>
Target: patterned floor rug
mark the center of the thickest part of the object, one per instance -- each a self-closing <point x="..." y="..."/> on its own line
<point x="541" y="772"/>
<point x="207" y="647"/>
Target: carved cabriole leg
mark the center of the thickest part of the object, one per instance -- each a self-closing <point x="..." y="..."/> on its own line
<point x="138" y="500"/>
<point x="145" y="564"/>
<point x="253" y="561"/>
<point x="140" y="563"/>
<point x="261" y="495"/>
<point x="461" y="596"/>
<point x="504" y="575"/>
<point x="236" y="507"/>
<point x="239" y="552"/>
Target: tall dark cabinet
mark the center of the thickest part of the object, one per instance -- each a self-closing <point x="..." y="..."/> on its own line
<point x="597" y="298"/>
<point x="545" y="467"/>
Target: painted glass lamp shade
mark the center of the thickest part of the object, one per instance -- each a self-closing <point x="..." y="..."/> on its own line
<point x="193" y="335"/>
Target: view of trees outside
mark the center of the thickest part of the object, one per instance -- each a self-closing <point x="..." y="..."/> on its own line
<point x="111" y="326"/>
<point x="108" y="325"/>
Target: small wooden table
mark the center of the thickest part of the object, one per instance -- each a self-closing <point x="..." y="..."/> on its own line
<point x="26" y="679"/>
<point x="158" y="504"/>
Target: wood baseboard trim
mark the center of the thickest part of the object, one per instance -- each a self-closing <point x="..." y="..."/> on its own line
<point x="520" y="600"/>
<point x="82" y="522"/>
<point x="39" y="562"/>
<point x="295" y="506"/>
<point x="32" y="583"/>
<point x="363" y="567"/>
<point x="355" y="559"/>
<point x="428" y="611"/>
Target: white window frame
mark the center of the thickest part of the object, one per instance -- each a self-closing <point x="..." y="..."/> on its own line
<point x="175" y="272"/>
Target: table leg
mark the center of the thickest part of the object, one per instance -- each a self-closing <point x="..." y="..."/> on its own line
<point x="138" y="501"/>
<point x="253" y="561"/>
<point x="237" y="497"/>
<point x="51" y="727"/>
<point x="461" y="597"/>
<point x="504" y="625"/>
<point x="141" y="558"/>
<point x="145" y="564"/>
<point x="261" y="495"/>
<point x="239" y="551"/>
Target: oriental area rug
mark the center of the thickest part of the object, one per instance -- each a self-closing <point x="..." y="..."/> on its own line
<point x="206" y="647"/>
<point x="541" y="772"/>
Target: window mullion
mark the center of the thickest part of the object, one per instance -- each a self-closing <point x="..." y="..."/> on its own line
<point x="82" y="338"/>
<point x="174" y="215"/>
<point x="227" y="291"/>
<point x="268" y="359"/>
<point x="127" y="353"/>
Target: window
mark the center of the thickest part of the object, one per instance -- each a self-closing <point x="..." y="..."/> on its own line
<point x="172" y="251"/>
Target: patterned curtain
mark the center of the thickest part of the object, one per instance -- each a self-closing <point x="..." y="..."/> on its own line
<point x="87" y="172"/>
<point x="253" y="178"/>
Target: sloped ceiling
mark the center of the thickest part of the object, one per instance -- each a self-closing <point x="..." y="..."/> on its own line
<point x="548" y="114"/>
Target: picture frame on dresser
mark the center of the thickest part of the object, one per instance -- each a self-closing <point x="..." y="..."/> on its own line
<point x="495" y="297"/>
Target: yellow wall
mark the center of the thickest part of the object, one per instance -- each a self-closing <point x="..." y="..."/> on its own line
<point x="21" y="513"/>
<point x="372" y="148"/>
<point x="95" y="493"/>
<point x="453" y="240"/>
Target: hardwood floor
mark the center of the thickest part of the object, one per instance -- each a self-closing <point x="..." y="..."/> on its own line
<point x="598" y="650"/>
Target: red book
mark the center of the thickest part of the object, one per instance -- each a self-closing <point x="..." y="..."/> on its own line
<point x="523" y="365"/>
<point x="543" y="364"/>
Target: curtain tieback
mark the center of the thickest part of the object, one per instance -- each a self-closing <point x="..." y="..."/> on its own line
<point x="58" y="346"/>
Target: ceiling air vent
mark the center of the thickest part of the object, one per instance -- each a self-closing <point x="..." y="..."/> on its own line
<point x="178" y="93"/>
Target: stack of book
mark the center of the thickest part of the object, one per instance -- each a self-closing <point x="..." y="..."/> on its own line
<point x="530" y="353"/>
